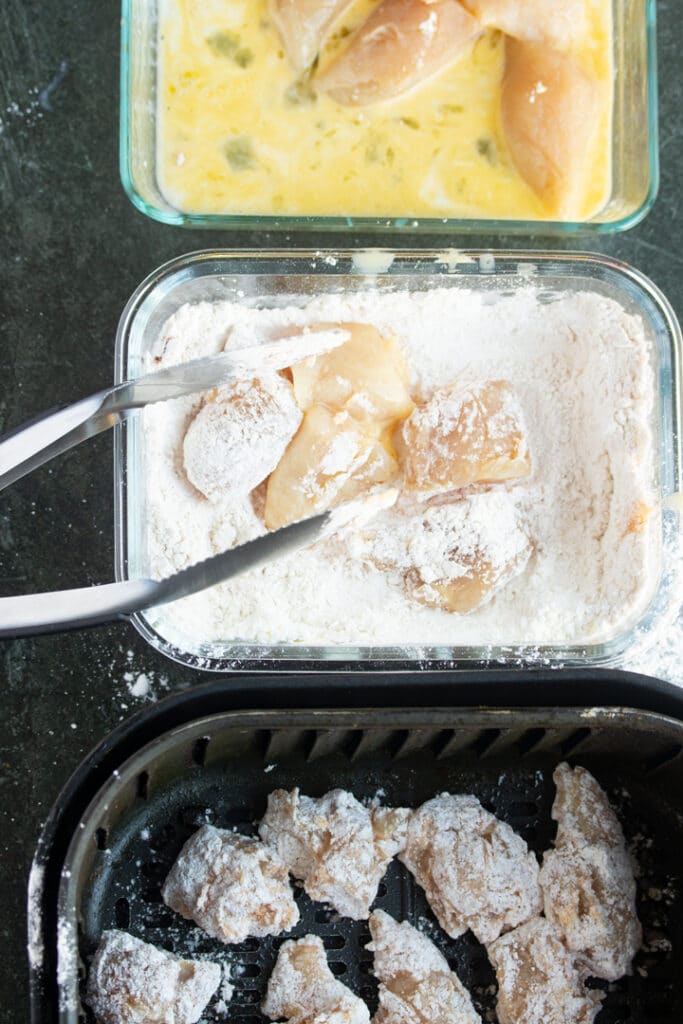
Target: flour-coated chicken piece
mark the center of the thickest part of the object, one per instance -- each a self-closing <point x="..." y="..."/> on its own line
<point x="133" y="982"/>
<point x="416" y="983"/>
<point x="538" y="980"/>
<point x="589" y="889"/>
<point x="338" y="847"/>
<point x="232" y="886"/>
<point x="475" y="870"/>
<point x="303" y="990"/>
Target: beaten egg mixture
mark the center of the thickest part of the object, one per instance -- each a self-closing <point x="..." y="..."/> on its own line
<point x="240" y="133"/>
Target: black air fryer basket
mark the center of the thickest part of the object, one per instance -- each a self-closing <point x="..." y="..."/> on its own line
<point x="214" y="753"/>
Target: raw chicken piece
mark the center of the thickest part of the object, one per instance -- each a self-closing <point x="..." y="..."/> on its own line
<point x="402" y="43"/>
<point x="339" y="848"/>
<point x="367" y="377"/>
<point x="589" y="897"/>
<point x="455" y="557"/>
<point x="582" y="811"/>
<point x="549" y="111"/>
<point x="587" y="880"/>
<point x="475" y="870"/>
<point x="353" y="398"/>
<point x="332" y="459"/>
<point x="231" y="886"/>
<point x="538" y="982"/>
<point x="133" y="982"/>
<point x="465" y="434"/>
<point x="303" y="25"/>
<point x="238" y="437"/>
<point x="303" y="989"/>
<point x="556" y="23"/>
<point x="416" y="983"/>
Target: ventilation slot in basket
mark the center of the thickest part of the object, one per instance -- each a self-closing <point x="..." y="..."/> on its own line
<point x="574" y="741"/>
<point x="122" y="913"/>
<point x="665" y="756"/>
<point x="142" y="786"/>
<point x="529" y="740"/>
<point x="199" y="749"/>
<point x="484" y="741"/>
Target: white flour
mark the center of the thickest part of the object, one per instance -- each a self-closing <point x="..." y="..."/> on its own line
<point x="582" y="370"/>
<point x="219" y="451"/>
<point x="421" y="551"/>
<point x="665" y="660"/>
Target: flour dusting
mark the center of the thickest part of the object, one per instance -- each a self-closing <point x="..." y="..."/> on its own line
<point x="581" y="369"/>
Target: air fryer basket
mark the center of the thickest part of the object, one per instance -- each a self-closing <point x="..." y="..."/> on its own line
<point x="220" y="768"/>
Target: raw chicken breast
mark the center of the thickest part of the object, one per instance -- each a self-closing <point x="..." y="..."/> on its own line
<point x="303" y="25"/>
<point x="589" y="889"/>
<point x="402" y="43"/>
<point x="416" y="982"/>
<point x="549" y="111"/>
<point x="327" y="463"/>
<point x="338" y="847"/>
<point x="133" y="982"/>
<point x="475" y="870"/>
<point x="303" y="990"/>
<point x="455" y="556"/>
<point x="232" y="886"/>
<point x="465" y="434"/>
<point x="539" y="981"/>
<point x="556" y="23"/>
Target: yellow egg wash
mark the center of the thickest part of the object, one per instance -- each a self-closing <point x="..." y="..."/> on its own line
<point x="240" y="133"/>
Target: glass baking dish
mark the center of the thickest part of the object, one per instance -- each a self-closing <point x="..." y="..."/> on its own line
<point x="277" y="278"/>
<point x="634" y="150"/>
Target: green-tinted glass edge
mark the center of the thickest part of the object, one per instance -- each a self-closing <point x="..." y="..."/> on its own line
<point x="403" y="224"/>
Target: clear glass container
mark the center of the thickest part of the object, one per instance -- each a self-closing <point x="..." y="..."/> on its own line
<point x="634" y="155"/>
<point x="277" y="278"/>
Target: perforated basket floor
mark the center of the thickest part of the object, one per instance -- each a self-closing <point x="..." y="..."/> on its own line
<point x="221" y="770"/>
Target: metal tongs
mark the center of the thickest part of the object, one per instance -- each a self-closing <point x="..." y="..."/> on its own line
<point x="52" y="434"/>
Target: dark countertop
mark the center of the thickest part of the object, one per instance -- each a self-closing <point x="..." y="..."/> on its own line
<point x="73" y="250"/>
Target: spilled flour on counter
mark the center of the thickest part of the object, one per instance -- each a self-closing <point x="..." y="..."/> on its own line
<point x="582" y="370"/>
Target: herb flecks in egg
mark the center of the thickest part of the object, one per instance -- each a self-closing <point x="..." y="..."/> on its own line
<point x="240" y="154"/>
<point x="228" y="44"/>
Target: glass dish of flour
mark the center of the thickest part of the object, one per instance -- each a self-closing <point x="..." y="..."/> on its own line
<point x="524" y="412"/>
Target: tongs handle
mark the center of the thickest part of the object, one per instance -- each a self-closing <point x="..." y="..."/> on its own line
<point x="50" y="435"/>
<point x="36" y="443"/>
<point x="36" y="614"/>
<point x="56" y="432"/>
